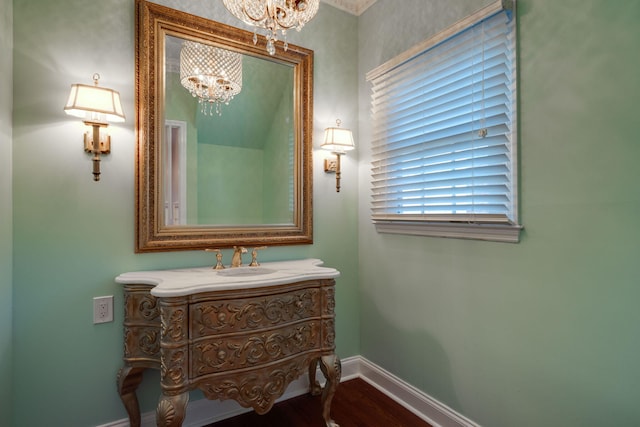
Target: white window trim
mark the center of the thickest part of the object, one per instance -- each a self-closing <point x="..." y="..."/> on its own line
<point x="490" y="232"/>
<point x="508" y="233"/>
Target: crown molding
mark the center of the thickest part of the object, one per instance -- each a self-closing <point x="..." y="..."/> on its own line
<point x="355" y="7"/>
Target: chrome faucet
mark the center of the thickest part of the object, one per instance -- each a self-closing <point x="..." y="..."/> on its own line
<point x="236" y="260"/>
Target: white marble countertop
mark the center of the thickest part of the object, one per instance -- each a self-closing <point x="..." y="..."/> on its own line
<point x="187" y="281"/>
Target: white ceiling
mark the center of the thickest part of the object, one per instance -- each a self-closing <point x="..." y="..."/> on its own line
<point x="355" y="7"/>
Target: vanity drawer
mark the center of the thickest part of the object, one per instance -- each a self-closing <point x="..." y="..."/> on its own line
<point x="140" y="307"/>
<point x="141" y="325"/>
<point x="227" y="315"/>
<point x="249" y="349"/>
<point x="142" y="343"/>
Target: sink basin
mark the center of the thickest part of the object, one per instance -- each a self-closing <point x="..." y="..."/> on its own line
<point x="245" y="271"/>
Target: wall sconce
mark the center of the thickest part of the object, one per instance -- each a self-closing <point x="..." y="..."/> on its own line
<point x="97" y="106"/>
<point x="338" y="141"/>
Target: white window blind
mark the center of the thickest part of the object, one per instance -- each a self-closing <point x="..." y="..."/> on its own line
<point x="444" y="137"/>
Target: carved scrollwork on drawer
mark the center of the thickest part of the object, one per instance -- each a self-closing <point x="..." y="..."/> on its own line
<point x="329" y="335"/>
<point x="148" y="307"/>
<point x="173" y="324"/>
<point x="248" y="314"/>
<point x="149" y="343"/>
<point x="217" y="355"/>
<point x="140" y="305"/>
<point x="172" y="368"/>
<point x="141" y="341"/>
<point x="173" y="345"/>
<point x="256" y="389"/>
<point x="329" y="300"/>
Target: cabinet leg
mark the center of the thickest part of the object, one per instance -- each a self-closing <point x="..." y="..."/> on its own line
<point x="315" y="388"/>
<point x="129" y="378"/>
<point x="332" y="370"/>
<point x="171" y="410"/>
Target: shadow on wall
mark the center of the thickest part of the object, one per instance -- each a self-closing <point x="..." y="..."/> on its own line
<point x="405" y="348"/>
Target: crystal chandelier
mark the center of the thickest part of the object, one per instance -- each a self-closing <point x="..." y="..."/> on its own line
<point x="273" y="15"/>
<point x="211" y="74"/>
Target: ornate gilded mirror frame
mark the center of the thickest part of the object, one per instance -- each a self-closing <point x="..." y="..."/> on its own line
<point x="153" y="23"/>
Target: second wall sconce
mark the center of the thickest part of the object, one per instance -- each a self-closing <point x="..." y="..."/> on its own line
<point x="337" y="140"/>
<point x="96" y="106"/>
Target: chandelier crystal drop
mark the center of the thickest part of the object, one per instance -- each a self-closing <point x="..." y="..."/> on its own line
<point x="211" y="74"/>
<point x="274" y="16"/>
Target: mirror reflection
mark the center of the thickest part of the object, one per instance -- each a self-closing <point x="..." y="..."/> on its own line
<point x="228" y="148"/>
<point x="223" y="136"/>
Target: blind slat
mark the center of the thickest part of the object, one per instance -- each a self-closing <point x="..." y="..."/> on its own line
<point x="454" y="135"/>
<point x="464" y="176"/>
<point x="428" y="151"/>
<point x="435" y="75"/>
<point x="444" y="135"/>
<point x="463" y="100"/>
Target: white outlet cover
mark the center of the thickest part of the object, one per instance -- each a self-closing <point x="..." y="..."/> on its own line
<point x="103" y="309"/>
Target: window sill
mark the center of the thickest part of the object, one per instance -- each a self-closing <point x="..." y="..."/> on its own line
<point x="491" y="232"/>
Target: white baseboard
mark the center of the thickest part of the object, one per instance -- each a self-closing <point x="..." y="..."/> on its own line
<point x="424" y="406"/>
<point x="203" y="412"/>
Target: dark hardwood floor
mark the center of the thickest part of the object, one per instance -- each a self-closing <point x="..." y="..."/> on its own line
<point x="356" y="404"/>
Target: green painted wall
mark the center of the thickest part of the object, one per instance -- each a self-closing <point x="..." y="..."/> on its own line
<point x="6" y="221"/>
<point x="278" y="160"/>
<point x="229" y="184"/>
<point x="226" y="157"/>
<point x="263" y="86"/>
<point x="544" y="332"/>
<point x="72" y="236"/>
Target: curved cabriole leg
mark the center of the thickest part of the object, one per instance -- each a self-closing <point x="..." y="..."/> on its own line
<point x="171" y="410"/>
<point x="314" y="385"/>
<point x="129" y="378"/>
<point x="332" y="370"/>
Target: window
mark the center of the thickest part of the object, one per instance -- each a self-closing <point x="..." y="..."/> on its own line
<point x="444" y="138"/>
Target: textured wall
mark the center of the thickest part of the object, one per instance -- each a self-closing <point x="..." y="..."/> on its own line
<point x="544" y="332"/>
<point x="6" y="233"/>
<point x="228" y="172"/>
<point x="73" y="235"/>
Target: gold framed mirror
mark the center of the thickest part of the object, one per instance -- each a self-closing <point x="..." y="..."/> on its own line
<point x="214" y="171"/>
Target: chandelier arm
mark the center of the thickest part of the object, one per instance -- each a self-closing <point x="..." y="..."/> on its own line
<point x="274" y="16"/>
<point x="270" y="13"/>
<point x="282" y="26"/>
<point x="259" y="20"/>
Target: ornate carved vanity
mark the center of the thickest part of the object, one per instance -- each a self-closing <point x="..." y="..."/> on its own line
<point x="243" y="334"/>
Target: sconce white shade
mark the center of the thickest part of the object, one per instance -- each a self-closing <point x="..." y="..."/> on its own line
<point x="96" y="106"/>
<point x="337" y="139"/>
<point x="93" y="103"/>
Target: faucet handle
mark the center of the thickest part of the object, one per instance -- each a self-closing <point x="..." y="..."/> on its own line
<point x="219" y="265"/>
<point x="254" y="256"/>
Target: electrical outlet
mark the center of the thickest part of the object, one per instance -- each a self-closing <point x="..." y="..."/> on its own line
<point x="103" y="309"/>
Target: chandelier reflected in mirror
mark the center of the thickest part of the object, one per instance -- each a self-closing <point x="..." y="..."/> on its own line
<point x="211" y="74"/>
<point x="274" y="16"/>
